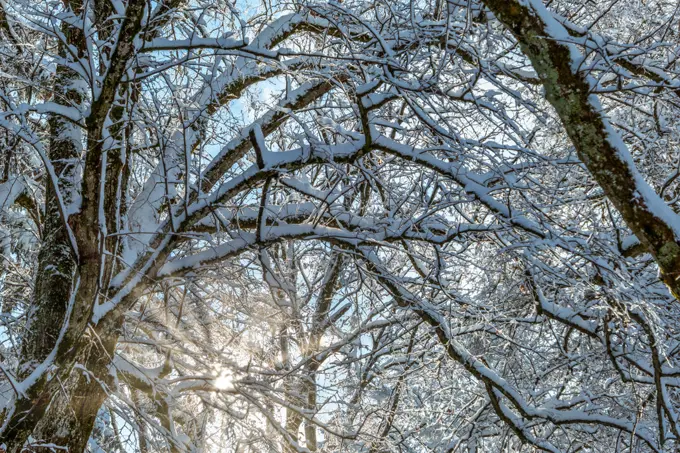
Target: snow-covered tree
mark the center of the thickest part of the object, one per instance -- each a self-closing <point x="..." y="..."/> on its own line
<point x="354" y="226"/>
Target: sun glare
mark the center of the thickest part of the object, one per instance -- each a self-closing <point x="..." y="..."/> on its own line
<point x="224" y="381"/>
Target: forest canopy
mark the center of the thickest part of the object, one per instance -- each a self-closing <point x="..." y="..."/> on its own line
<point x="348" y="226"/>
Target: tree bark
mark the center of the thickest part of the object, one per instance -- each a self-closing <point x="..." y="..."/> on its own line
<point x="70" y="418"/>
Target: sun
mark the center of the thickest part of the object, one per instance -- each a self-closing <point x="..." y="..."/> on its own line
<point x="224" y="381"/>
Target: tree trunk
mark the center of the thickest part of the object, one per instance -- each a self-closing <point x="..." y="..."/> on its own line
<point x="56" y="262"/>
<point x="310" y="428"/>
<point x="70" y="418"/>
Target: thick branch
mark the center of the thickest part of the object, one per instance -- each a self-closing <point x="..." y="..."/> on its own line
<point x="546" y="42"/>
